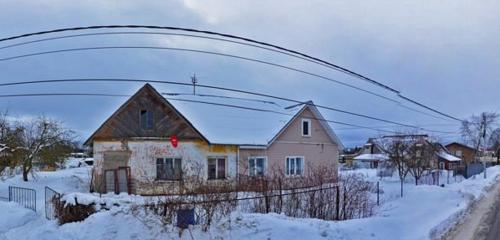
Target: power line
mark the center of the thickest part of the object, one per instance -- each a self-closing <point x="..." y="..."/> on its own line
<point x="184" y="100"/>
<point x="225" y="97"/>
<point x="428" y="108"/>
<point x="297" y="53"/>
<point x="420" y="125"/>
<point x="168" y="34"/>
<point x="203" y="52"/>
<point x="212" y="87"/>
<point x="339" y="68"/>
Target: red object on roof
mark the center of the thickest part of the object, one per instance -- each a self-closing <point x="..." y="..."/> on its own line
<point x="174" y="141"/>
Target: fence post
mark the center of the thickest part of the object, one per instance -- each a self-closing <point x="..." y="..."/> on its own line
<point x="378" y="193"/>
<point x="344" y="203"/>
<point x="337" y="203"/>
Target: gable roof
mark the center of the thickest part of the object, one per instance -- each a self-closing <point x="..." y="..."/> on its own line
<point x="221" y="125"/>
<point x="461" y="145"/>
<point x="317" y="115"/>
<point x="147" y="88"/>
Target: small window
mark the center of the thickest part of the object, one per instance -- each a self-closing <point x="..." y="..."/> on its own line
<point x="306" y="127"/>
<point x="216" y="168"/>
<point x="294" y="166"/>
<point x="168" y="168"/>
<point x="146" y="119"/>
<point x="458" y="153"/>
<point x="256" y="166"/>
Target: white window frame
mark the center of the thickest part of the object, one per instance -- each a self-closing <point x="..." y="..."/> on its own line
<point x="302" y="127"/>
<point x="458" y="153"/>
<point x="254" y="158"/>
<point x="287" y="172"/>
<point x="217" y="167"/>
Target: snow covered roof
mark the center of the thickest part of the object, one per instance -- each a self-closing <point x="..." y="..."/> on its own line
<point x="372" y="157"/>
<point x="248" y="128"/>
<point x="447" y="156"/>
<point x="222" y="125"/>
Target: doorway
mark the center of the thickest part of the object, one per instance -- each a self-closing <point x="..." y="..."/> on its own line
<point x="117" y="180"/>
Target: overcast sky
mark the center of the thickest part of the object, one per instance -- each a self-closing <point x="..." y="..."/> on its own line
<point x="441" y="53"/>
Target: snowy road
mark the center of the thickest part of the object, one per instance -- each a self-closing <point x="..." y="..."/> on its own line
<point x="494" y="221"/>
<point x="483" y="221"/>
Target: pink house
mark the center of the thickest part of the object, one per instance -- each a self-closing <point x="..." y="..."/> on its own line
<point x="305" y="144"/>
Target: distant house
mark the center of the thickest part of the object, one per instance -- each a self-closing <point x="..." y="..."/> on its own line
<point x="466" y="153"/>
<point x="348" y="155"/>
<point x="371" y="155"/>
<point x="147" y="146"/>
<point x="446" y="159"/>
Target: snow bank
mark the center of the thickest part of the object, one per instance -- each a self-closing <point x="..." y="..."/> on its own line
<point x="107" y="200"/>
<point x="423" y="211"/>
<point x="12" y="215"/>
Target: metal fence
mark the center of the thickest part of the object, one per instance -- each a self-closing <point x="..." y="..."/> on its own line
<point x="52" y="199"/>
<point x="26" y="197"/>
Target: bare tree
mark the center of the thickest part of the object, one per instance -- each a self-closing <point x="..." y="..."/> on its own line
<point x="420" y="158"/>
<point x="477" y="129"/>
<point x="494" y="143"/>
<point x="41" y="137"/>
<point x="10" y="142"/>
<point x="397" y="147"/>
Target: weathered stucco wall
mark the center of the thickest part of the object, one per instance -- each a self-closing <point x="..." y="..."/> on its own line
<point x="143" y="155"/>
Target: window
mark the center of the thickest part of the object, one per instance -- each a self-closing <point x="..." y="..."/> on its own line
<point x="256" y="166"/>
<point x="216" y="168"/>
<point x="168" y="168"/>
<point x="458" y="153"/>
<point x="306" y="127"/>
<point x="419" y="153"/>
<point x="294" y="166"/>
<point x="146" y="119"/>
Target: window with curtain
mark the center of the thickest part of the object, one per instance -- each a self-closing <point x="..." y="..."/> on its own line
<point x="168" y="168"/>
<point x="216" y="168"/>
<point x="256" y="166"/>
<point x="294" y="166"/>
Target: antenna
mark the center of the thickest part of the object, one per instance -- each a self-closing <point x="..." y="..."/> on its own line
<point x="194" y="81"/>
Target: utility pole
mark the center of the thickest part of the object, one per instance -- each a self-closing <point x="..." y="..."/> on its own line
<point x="194" y="81"/>
<point x="484" y="141"/>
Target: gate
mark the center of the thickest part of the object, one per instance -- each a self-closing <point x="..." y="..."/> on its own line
<point x="52" y="201"/>
<point x="26" y="197"/>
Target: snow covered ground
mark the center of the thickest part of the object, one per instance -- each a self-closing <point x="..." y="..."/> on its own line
<point x="424" y="210"/>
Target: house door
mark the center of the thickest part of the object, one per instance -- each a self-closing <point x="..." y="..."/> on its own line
<point x="110" y="180"/>
<point x="122" y="176"/>
<point x="117" y="180"/>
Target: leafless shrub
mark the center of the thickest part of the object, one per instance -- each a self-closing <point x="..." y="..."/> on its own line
<point x="356" y="200"/>
<point x="67" y="213"/>
<point x="320" y="194"/>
